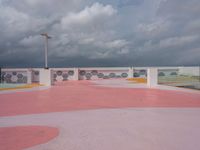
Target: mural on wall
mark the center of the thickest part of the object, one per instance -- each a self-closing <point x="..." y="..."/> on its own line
<point x="14" y="76"/>
<point x="102" y="74"/>
<point x="142" y="73"/>
<point x="35" y="76"/>
<point x="168" y="72"/>
<point x="62" y="75"/>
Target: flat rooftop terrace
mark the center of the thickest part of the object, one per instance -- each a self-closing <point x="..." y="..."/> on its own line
<point x="100" y="114"/>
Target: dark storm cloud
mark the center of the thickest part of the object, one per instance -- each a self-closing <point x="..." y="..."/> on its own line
<point x="91" y="33"/>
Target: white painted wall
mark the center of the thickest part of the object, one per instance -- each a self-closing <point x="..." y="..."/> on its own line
<point x="130" y="72"/>
<point x="29" y="76"/>
<point x="45" y="77"/>
<point x="76" y="74"/>
<point x="152" y="77"/>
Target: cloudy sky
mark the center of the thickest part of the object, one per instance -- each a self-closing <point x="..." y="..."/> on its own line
<point x="100" y="32"/>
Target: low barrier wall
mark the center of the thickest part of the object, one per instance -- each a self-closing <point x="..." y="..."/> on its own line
<point x="19" y="75"/>
<point x="34" y="75"/>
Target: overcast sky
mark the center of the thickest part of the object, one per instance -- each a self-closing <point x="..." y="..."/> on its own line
<point x="100" y="33"/>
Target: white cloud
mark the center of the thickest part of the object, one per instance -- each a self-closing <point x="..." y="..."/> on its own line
<point x="31" y="41"/>
<point x="116" y="44"/>
<point x="97" y="12"/>
<point x="170" y="43"/>
<point x="111" y="49"/>
<point x="15" y="23"/>
<point x="154" y="29"/>
<point x="88" y="40"/>
<point x="12" y="19"/>
<point x="178" y="41"/>
<point x="123" y="51"/>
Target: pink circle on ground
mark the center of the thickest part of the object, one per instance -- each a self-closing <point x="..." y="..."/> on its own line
<point x="17" y="138"/>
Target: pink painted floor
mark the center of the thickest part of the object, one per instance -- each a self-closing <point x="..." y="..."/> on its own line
<point x="81" y="95"/>
<point x="74" y="95"/>
<point x="18" y="138"/>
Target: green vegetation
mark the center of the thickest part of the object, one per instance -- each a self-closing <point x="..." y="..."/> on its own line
<point x="180" y="81"/>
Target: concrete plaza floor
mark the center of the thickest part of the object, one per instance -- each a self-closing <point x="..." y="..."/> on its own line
<point x="102" y="115"/>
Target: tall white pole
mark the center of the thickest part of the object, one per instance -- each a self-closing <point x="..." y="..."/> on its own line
<point x="199" y="73"/>
<point x="46" y="36"/>
<point x="46" y="52"/>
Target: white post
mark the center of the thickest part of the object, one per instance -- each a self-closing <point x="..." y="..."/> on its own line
<point x="76" y="74"/>
<point x="46" y="52"/>
<point x="152" y="77"/>
<point x="45" y="77"/>
<point x="130" y="72"/>
<point x="46" y="37"/>
<point x="29" y="76"/>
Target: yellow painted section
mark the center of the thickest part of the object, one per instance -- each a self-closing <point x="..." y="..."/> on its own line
<point x="27" y="86"/>
<point x="138" y="80"/>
